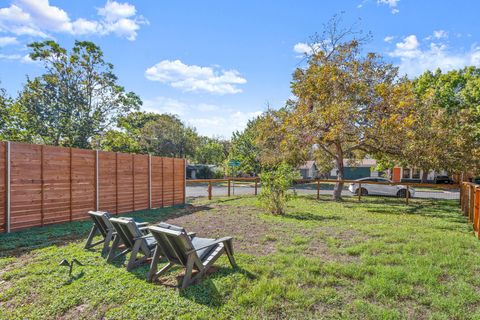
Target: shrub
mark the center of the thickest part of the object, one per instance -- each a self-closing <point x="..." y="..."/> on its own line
<point x="275" y="183"/>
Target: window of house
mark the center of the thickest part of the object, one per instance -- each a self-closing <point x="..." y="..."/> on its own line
<point x="406" y="173"/>
<point x="416" y="173"/>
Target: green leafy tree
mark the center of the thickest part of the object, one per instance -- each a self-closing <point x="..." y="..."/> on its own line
<point x="211" y="151"/>
<point x="275" y="183"/>
<point x="244" y="148"/>
<point x="12" y="120"/>
<point x="168" y="136"/>
<point x="447" y="131"/>
<point x="117" y="141"/>
<point x="128" y="134"/>
<point x="347" y="104"/>
<point x="77" y="97"/>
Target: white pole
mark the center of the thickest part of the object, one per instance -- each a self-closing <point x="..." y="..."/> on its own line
<point x="97" y="191"/>
<point x="8" y="167"/>
<point x="184" y="180"/>
<point x="149" y="181"/>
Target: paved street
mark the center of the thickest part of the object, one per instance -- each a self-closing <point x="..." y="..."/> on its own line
<point x="202" y="191"/>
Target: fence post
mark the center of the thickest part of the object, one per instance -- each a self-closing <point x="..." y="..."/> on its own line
<point x="318" y="189"/>
<point x="476" y="224"/>
<point x="97" y="198"/>
<point x="461" y="196"/>
<point x="149" y="181"/>
<point x="209" y="190"/>
<point x="359" y="191"/>
<point x="71" y="185"/>
<point x="184" y="180"/>
<point x="116" y="183"/>
<point x="472" y="203"/>
<point x="256" y="186"/>
<point x="229" y="187"/>
<point x="42" y="185"/>
<point x="7" y="182"/>
<point x="407" y="195"/>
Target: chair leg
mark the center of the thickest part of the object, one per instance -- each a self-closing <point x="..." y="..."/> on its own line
<point x="106" y="242"/>
<point x="133" y="261"/>
<point x="154" y="276"/>
<point x="229" y="252"/>
<point x="188" y="273"/>
<point x="91" y="235"/>
<point x="115" y="244"/>
<point x="154" y="264"/>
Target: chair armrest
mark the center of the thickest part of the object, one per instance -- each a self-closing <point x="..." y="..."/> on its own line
<point x="220" y="240"/>
<point x="142" y="224"/>
<point x="144" y="237"/>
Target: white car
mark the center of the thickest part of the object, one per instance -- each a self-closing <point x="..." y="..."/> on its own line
<point x="380" y="189"/>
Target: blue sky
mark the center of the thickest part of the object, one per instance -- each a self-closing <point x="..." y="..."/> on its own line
<point x="218" y="63"/>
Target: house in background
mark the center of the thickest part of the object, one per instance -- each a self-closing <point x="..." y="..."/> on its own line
<point x="367" y="168"/>
<point x="200" y="171"/>
<point x="399" y="174"/>
<point x="357" y="169"/>
<point x="308" y="170"/>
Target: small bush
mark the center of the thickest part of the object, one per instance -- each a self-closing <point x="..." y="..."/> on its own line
<point x="275" y="184"/>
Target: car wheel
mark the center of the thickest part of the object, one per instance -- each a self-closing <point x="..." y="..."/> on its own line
<point x="363" y="192"/>
<point x="403" y="193"/>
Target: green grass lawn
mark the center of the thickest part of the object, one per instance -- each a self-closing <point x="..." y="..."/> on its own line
<point x="378" y="259"/>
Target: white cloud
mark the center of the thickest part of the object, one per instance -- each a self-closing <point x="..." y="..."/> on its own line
<point x="206" y="118"/>
<point x="440" y="34"/>
<point x="6" y="41"/>
<point x="195" y="78"/>
<point x="165" y="105"/>
<point x="388" y="39"/>
<point x="17" y="57"/>
<point x="416" y="58"/>
<point x="113" y="10"/>
<point x="222" y="125"/>
<point x="391" y="3"/>
<point x="302" y="48"/>
<point x="39" y="18"/>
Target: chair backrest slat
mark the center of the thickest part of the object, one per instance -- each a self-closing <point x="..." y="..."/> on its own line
<point x="101" y="220"/>
<point x="174" y="244"/>
<point x="127" y="230"/>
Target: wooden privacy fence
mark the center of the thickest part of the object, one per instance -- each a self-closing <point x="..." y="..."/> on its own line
<point x="45" y="184"/>
<point x="470" y="204"/>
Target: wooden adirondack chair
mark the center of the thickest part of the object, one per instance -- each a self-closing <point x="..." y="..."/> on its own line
<point x="136" y="240"/>
<point x="102" y="225"/>
<point x="190" y="252"/>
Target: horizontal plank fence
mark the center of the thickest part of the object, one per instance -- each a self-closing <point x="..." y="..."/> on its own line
<point x="470" y="204"/>
<point x="43" y="185"/>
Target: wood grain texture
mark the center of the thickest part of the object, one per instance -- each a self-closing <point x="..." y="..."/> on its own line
<point x="2" y="187"/>
<point x="55" y="184"/>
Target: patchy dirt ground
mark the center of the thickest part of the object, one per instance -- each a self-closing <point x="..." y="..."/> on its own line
<point x="256" y="236"/>
<point x="216" y="220"/>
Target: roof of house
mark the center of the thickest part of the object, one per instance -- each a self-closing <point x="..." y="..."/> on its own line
<point x="307" y="165"/>
<point x="365" y="163"/>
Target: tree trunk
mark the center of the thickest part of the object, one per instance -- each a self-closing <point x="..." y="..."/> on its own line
<point x="425" y="176"/>
<point x="337" y="191"/>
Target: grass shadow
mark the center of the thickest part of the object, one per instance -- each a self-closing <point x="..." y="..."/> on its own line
<point x="74" y="277"/>
<point x="206" y="293"/>
<point x="306" y="216"/>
